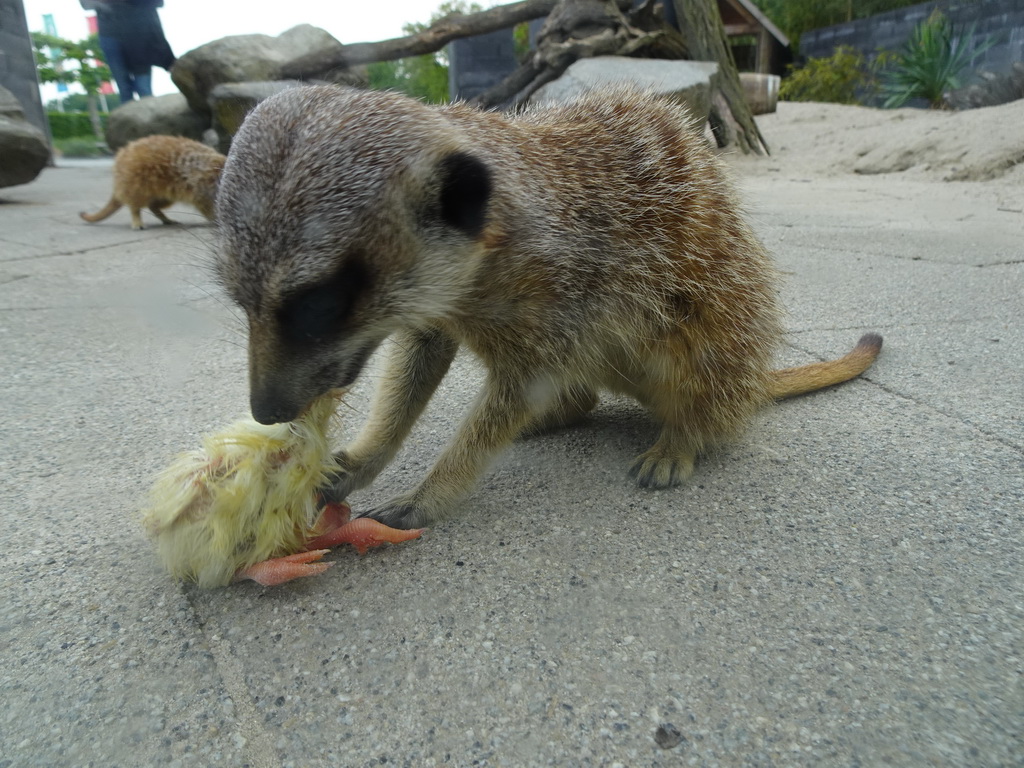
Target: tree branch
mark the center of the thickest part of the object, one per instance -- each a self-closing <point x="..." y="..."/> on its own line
<point x="433" y="38"/>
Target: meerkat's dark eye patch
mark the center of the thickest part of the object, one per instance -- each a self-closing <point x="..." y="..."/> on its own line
<point x="465" y="192"/>
<point x="320" y="312"/>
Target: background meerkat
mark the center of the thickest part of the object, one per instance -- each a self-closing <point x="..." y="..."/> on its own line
<point x="572" y="249"/>
<point x="157" y="171"/>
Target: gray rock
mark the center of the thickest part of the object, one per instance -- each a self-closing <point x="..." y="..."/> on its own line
<point x="668" y="736"/>
<point x="231" y="102"/>
<point x="10" y="107"/>
<point x="687" y="81"/>
<point x="992" y="90"/>
<point x="24" y="150"/>
<point x="244" y="58"/>
<point x="169" y="115"/>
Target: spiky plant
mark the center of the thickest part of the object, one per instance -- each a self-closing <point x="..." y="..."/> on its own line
<point x="931" y="63"/>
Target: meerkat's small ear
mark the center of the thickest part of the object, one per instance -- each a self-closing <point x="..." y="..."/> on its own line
<point x="465" y="192"/>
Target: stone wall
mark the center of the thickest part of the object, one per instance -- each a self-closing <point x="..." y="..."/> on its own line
<point x="1002" y="20"/>
<point x="18" y="64"/>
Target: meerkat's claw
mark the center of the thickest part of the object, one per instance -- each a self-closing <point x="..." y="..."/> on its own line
<point x="338" y="488"/>
<point x="653" y="469"/>
<point x="269" y="573"/>
<point x="398" y="513"/>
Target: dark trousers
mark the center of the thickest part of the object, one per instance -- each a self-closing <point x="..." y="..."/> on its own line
<point x="129" y="82"/>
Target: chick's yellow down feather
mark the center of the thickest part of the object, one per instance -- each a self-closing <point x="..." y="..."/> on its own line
<point x="250" y="494"/>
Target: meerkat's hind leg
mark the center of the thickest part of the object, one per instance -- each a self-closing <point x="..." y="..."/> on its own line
<point x="137" y="218"/>
<point x="569" y="408"/>
<point x="667" y="463"/>
<point x="157" y="206"/>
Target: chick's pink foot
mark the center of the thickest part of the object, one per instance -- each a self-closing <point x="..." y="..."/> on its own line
<point x="269" y="573"/>
<point x="334" y="515"/>
<point x="362" y="533"/>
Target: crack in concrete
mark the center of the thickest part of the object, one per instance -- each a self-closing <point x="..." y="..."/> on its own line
<point x="928" y="405"/>
<point x="259" y="749"/>
<point x="59" y="254"/>
<point x="1010" y="263"/>
<point x="155" y="233"/>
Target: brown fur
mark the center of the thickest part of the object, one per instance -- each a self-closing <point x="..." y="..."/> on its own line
<point x="157" y="171"/>
<point x="572" y="249"/>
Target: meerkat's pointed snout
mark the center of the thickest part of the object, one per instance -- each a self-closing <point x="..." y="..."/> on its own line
<point x="272" y="400"/>
<point x="268" y="407"/>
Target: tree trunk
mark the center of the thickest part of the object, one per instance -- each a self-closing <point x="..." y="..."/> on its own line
<point x="731" y="118"/>
<point x="94" y="115"/>
<point x="579" y="29"/>
<point x="575" y="29"/>
<point x="435" y="37"/>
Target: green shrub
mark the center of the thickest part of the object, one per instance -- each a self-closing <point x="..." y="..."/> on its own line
<point x="68" y="125"/>
<point x="80" y="146"/>
<point x="839" y="78"/>
<point x="421" y="77"/>
<point x="930" y="63"/>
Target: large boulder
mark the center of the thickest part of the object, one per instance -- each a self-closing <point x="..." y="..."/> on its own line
<point x="689" y="82"/>
<point x="991" y="90"/>
<point x="24" y="150"/>
<point x="231" y="102"/>
<point x="244" y="58"/>
<point x="169" y="115"/>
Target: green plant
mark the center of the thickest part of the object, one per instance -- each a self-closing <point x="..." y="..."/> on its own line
<point x="794" y="17"/>
<point x="838" y="78"/>
<point x="70" y="102"/>
<point x="79" y="146"/>
<point x="423" y="77"/>
<point x="53" y="54"/>
<point x="930" y="63"/>
<point x="70" y="125"/>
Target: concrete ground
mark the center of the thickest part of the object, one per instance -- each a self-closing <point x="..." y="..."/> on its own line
<point x="842" y="587"/>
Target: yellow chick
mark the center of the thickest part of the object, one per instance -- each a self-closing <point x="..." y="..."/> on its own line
<point x="250" y="494"/>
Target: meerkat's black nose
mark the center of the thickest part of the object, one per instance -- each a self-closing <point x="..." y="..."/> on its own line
<point x="269" y="408"/>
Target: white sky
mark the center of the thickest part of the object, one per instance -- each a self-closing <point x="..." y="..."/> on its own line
<point x="190" y="23"/>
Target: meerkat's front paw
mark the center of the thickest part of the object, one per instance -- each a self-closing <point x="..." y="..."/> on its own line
<point x="661" y="468"/>
<point x="338" y="488"/>
<point x="401" y="512"/>
<point x="352" y="474"/>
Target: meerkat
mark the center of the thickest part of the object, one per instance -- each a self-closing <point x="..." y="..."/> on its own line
<point x="572" y="249"/>
<point x="157" y="171"/>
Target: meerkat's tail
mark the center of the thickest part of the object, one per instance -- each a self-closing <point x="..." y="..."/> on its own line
<point x="108" y="210"/>
<point x="790" y="382"/>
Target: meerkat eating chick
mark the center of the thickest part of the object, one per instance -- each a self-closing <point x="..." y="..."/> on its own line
<point x="572" y="249"/>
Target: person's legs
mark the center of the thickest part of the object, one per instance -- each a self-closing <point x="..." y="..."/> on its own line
<point x="143" y="82"/>
<point x="114" y="55"/>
